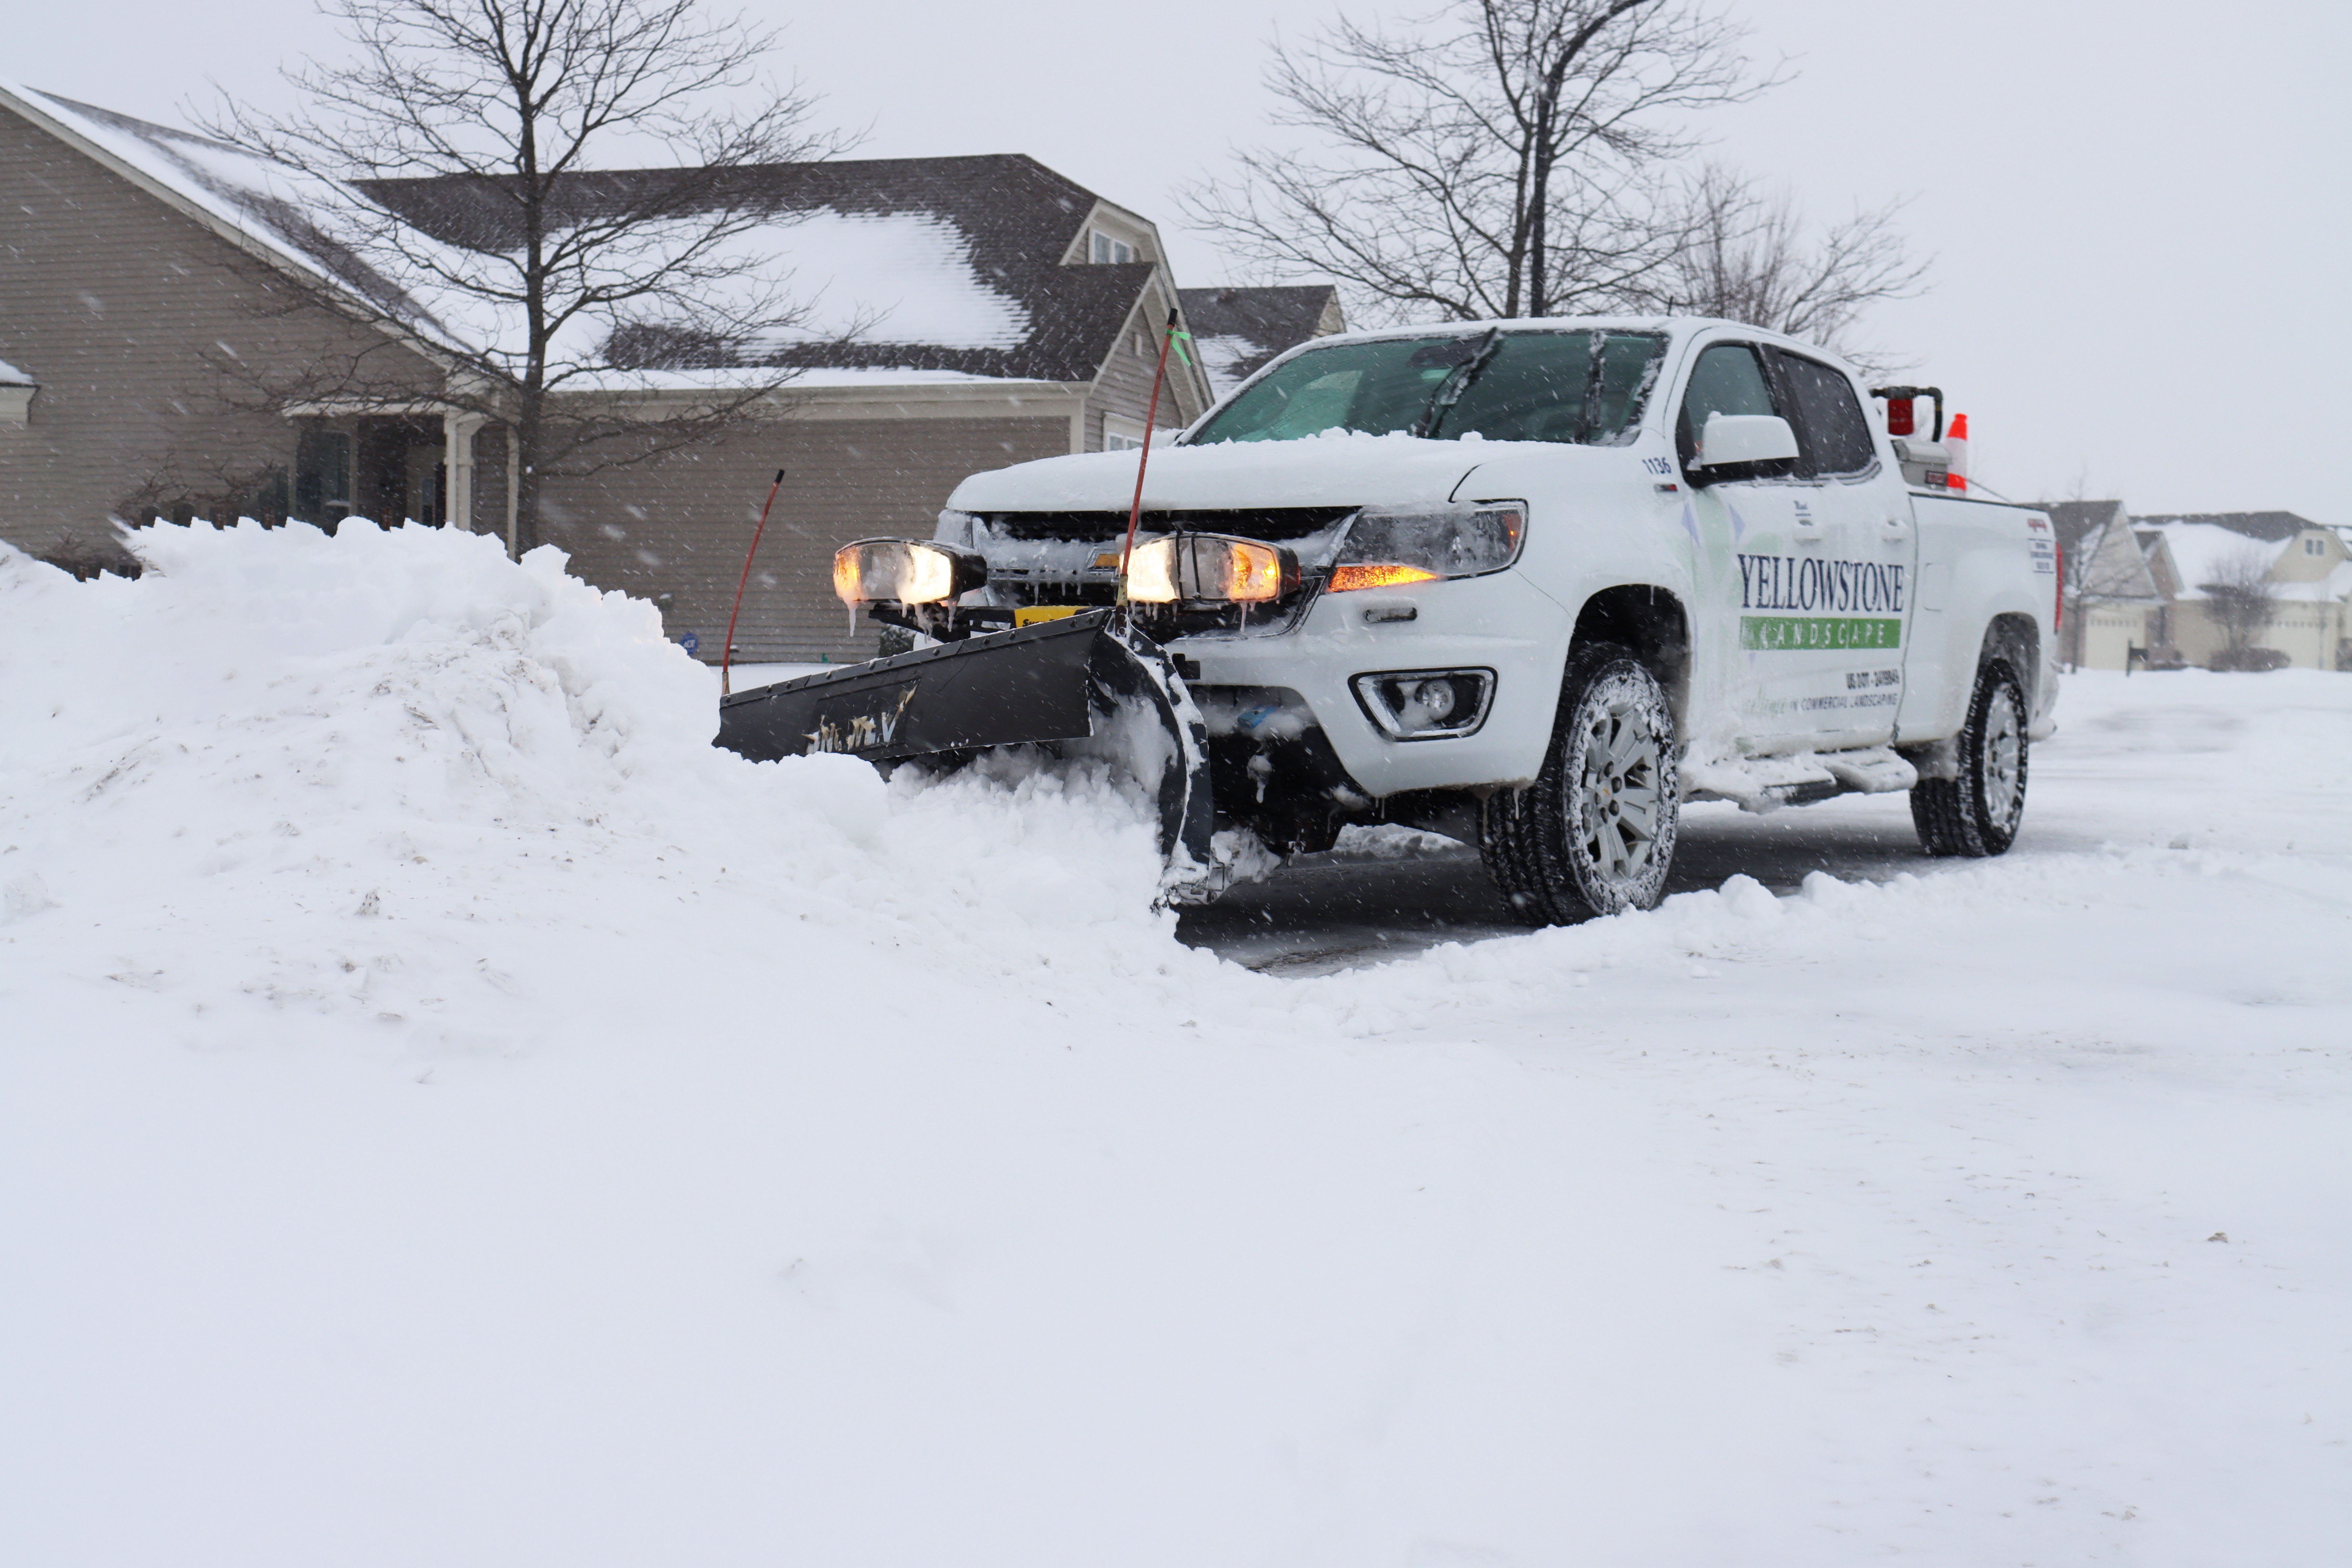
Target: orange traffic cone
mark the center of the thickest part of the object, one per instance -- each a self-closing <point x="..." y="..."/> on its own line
<point x="1957" y="440"/>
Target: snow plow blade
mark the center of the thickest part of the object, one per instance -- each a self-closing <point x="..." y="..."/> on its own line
<point x="1081" y="687"/>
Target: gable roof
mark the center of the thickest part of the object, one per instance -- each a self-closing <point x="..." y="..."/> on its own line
<point x="267" y="208"/>
<point x="2271" y="526"/>
<point x="960" y="258"/>
<point x="1238" y="330"/>
<point x="2203" y="550"/>
<point x="956" y="262"/>
<point x="2072" y="520"/>
<point x="2109" y="563"/>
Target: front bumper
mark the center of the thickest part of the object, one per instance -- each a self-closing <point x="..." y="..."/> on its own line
<point x="1500" y="622"/>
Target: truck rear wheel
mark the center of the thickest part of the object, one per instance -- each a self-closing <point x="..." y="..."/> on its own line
<point x="1595" y="833"/>
<point x="1977" y="813"/>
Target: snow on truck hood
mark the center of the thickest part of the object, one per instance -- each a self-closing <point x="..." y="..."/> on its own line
<point x="1335" y="470"/>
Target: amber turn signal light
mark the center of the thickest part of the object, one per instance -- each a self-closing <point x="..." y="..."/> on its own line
<point x="1377" y="575"/>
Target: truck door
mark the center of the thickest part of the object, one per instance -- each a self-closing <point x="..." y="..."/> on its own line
<point x="1761" y="539"/>
<point x="1862" y="610"/>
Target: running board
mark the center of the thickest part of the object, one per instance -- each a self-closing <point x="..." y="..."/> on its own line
<point x="1768" y="783"/>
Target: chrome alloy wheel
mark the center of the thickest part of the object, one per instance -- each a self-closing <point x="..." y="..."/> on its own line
<point x="2003" y="760"/>
<point x="1614" y="812"/>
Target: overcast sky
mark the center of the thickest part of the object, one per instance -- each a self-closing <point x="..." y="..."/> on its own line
<point x="2138" y="213"/>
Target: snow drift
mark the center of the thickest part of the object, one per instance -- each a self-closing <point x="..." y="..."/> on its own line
<point x="359" y="773"/>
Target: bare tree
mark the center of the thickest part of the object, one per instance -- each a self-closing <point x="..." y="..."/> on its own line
<point x="555" y="295"/>
<point x="1747" y="255"/>
<point x="1496" y="158"/>
<point x="2242" y="601"/>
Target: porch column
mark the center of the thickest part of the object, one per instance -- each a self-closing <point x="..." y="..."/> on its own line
<point x="457" y="451"/>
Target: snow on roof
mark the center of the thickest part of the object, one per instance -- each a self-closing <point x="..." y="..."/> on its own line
<point x="2268" y="525"/>
<point x="11" y="376"/>
<point x="2202" y="549"/>
<point x="908" y="277"/>
<point x="1240" y="329"/>
<point x="952" y="264"/>
<point x="2073" y="520"/>
<point x="821" y="378"/>
<point x="286" y="212"/>
<point x="1230" y="360"/>
<point x="942" y="265"/>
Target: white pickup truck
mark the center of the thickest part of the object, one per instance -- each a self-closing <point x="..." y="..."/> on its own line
<point x="1536" y="584"/>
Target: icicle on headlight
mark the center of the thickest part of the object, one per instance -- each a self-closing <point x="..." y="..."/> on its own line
<point x="1210" y="568"/>
<point x="904" y="571"/>
<point x="1390" y="548"/>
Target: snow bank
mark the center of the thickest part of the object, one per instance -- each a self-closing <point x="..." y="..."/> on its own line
<point x="385" y="773"/>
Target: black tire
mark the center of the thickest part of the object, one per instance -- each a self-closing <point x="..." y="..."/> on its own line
<point x="1594" y="834"/>
<point x="1977" y="812"/>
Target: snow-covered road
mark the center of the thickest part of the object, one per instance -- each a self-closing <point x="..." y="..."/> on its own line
<point x="448" y="1114"/>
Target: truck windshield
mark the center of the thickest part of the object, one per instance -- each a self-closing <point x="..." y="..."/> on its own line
<point x="1580" y="386"/>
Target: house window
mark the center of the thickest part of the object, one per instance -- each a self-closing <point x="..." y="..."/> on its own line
<point x="1121" y="434"/>
<point x="322" y="477"/>
<point x="1102" y="247"/>
<point x="2315" y="545"/>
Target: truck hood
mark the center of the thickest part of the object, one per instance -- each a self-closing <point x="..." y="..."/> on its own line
<point x="1336" y="470"/>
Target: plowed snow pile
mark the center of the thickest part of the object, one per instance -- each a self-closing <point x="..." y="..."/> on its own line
<point x="450" y="1113"/>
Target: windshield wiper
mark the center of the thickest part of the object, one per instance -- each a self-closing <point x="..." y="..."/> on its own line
<point x="1457" y="381"/>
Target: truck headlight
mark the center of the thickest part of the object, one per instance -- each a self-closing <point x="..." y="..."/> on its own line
<point x="1388" y="548"/>
<point x="1210" y="568"/>
<point x="907" y="571"/>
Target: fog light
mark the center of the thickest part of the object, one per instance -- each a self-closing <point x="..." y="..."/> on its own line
<point x="1426" y="704"/>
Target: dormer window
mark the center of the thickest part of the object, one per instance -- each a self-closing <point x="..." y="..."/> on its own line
<point x="2314" y="545"/>
<point x="1102" y="247"/>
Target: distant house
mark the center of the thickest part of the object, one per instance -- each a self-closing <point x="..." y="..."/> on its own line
<point x="2138" y="588"/>
<point x="2113" y="601"/>
<point x="1011" y="314"/>
<point x="2307" y="566"/>
<point x="1239" y="330"/>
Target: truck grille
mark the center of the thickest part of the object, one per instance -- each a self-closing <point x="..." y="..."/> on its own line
<point x="1273" y="523"/>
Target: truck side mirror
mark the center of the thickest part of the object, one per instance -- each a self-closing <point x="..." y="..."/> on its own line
<point x="1738" y="440"/>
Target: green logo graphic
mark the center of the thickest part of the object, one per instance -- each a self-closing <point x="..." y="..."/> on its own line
<point x="1805" y="634"/>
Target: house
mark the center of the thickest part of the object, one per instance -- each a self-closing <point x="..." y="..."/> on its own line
<point x="1239" y="330"/>
<point x="1001" y="313"/>
<point x="2139" y="589"/>
<point x="2113" y="601"/>
<point x="2306" y="566"/>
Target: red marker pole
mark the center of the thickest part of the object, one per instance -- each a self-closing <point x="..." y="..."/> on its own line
<point x="727" y="654"/>
<point x="1135" y="512"/>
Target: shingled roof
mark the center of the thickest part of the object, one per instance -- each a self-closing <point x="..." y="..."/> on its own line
<point x="960" y="259"/>
<point x="274" y="208"/>
<point x="1240" y="329"/>
<point x="993" y="230"/>
<point x="2072" y="520"/>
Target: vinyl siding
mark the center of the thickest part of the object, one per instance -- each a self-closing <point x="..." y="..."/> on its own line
<point x="680" y="527"/>
<point x="111" y="299"/>
<point x="1124" y="386"/>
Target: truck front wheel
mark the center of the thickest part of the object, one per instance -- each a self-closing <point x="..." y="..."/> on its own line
<point x="1977" y="810"/>
<point x="1595" y="833"/>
